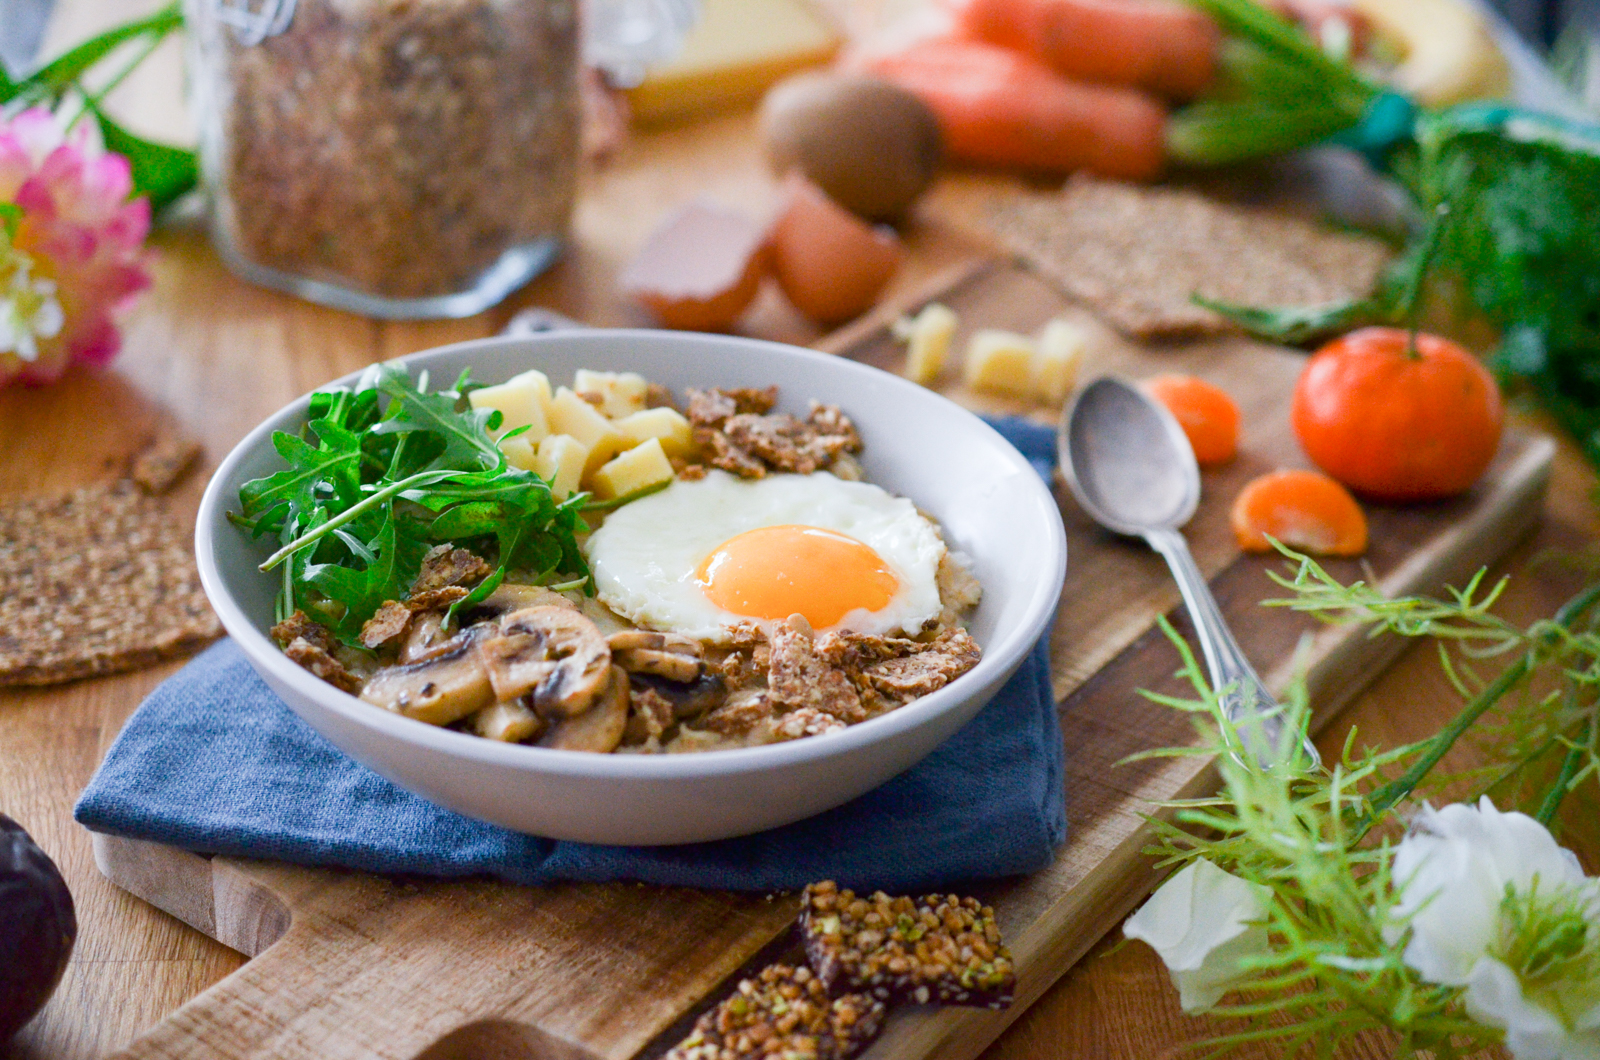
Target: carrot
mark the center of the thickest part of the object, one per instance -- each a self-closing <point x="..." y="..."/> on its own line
<point x="1303" y="509"/>
<point x="1166" y="47"/>
<point x="1208" y="416"/>
<point x="999" y="107"/>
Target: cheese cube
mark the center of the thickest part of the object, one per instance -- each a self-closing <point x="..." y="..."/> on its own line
<point x="666" y="425"/>
<point x="509" y="720"/>
<point x="560" y="461"/>
<point x="621" y="393"/>
<point x="1000" y="361"/>
<point x="570" y="414"/>
<point x="1060" y="348"/>
<point x="521" y="401"/>
<point x="927" y="336"/>
<point x="520" y="451"/>
<point x="639" y="468"/>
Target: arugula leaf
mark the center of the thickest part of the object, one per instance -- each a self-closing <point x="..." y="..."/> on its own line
<point x="382" y="472"/>
<point x="465" y="434"/>
<point x="393" y="556"/>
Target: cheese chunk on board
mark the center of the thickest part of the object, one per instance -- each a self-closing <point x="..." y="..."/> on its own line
<point x="1000" y="361"/>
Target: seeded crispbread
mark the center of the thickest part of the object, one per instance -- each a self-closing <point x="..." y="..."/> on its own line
<point x="1136" y="254"/>
<point x="97" y="581"/>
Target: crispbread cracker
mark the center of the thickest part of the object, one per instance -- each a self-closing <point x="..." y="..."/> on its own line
<point x="1136" y="254"/>
<point x="94" y="582"/>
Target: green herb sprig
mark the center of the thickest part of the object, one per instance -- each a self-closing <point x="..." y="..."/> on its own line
<point x="1321" y="842"/>
<point x="381" y="473"/>
<point x="1520" y="192"/>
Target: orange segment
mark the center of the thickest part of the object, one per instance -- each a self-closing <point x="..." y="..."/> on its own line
<point x="1305" y="510"/>
<point x="778" y="571"/>
<point x="1208" y="416"/>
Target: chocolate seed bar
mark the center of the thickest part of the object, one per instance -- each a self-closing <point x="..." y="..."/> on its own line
<point x="938" y="949"/>
<point x="784" y="1013"/>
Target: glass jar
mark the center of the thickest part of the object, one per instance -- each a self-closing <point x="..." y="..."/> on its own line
<point x="398" y="158"/>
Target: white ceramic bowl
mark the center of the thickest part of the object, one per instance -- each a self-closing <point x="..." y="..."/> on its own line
<point x="990" y="502"/>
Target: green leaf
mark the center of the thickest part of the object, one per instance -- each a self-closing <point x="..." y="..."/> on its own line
<point x="1295" y="325"/>
<point x="64" y="71"/>
<point x="344" y="508"/>
<point x="466" y="434"/>
<point x="384" y="568"/>
<point x="329" y="467"/>
<point x="160" y="171"/>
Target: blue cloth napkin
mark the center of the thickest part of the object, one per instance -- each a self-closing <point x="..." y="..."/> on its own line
<point x="213" y="761"/>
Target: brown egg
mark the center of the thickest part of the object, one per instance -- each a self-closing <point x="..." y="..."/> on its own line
<point x="700" y="269"/>
<point x="831" y="264"/>
<point x="871" y="146"/>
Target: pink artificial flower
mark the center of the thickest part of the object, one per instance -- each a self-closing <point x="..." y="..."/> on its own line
<point x="78" y="247"/>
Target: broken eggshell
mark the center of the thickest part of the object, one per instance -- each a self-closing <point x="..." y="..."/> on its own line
<point x="700" y="269"/>
<point x="830" y="263"/>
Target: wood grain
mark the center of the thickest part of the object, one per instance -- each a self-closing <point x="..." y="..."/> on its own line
<point x="554" y="966"/>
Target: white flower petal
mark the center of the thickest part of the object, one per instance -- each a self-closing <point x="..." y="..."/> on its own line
<point x="1453" y="868"/>
<point x="1200" y="923"/>
<point x="1494" y="997"/>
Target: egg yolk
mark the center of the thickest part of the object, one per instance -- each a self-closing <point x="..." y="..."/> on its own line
<point x="778" y="571"/>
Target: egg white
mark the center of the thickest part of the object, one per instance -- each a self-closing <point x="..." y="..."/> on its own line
<point x="646" y="554"/>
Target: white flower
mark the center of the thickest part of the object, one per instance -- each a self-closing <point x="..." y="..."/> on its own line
<point x="1534" y="1030"/>
<point x="1494" y="905"/>
<point x="29" y="309"/>
<point x="1202" y="921"/>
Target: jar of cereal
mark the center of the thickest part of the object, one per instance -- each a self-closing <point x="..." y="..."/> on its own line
<point x="398" y="158"/>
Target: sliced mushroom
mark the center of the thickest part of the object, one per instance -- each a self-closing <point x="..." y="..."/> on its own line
<point x="671" y="665"/>
<point x="509" y="720"/>
<point x="650" y="640"/>
<point x="514" y="596"/>
<point x="438" y="690"/>
<point x="600" y="728"/>
<point x="553" y="655"/>
<point x="425" y="638"/>
<point x="688" y="700"/>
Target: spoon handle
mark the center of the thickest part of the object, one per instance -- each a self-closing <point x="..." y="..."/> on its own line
<point x="1248" y="704"/>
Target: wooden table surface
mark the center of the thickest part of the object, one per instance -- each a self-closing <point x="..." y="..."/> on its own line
<point x="213" y="355"/>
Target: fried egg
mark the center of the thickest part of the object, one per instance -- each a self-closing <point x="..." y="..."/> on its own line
<point x="702" y="556"/>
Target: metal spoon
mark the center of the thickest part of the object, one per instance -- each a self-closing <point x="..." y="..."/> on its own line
<point x="1132" y="470"/>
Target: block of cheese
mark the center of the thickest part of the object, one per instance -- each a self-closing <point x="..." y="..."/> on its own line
<point x="1059" y="355"/>
<point x="738" y="50"/>
<point x="621" y="393"/>
<point x="520" y="451"/>
<point x="521" y="401"/>
<point x="639" y="468"/>
<point x="927" y="336"/>
<point x="560" y="461"/>
<point x="666" y="425"/>
<point x="570" y="414"/>
<point x="1000" y="361"/>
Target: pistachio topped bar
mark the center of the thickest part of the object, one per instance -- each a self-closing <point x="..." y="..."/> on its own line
<point x="784" y="1013"/>
<point x="937" y="949"/>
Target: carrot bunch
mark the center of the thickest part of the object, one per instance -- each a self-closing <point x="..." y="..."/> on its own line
<point x="1060" y="85"/>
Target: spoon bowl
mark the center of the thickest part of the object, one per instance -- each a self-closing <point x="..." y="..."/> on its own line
<point x="1127" y="460"/>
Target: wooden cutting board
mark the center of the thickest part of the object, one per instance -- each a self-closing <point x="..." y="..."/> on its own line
<point x="349" y="965"/>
